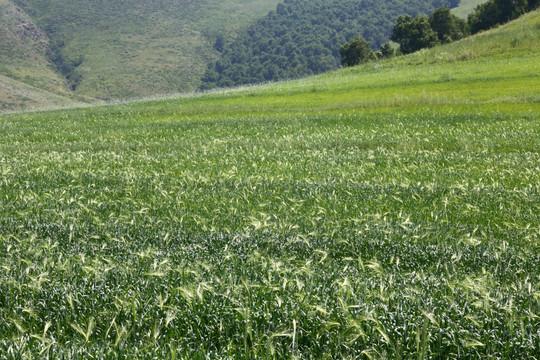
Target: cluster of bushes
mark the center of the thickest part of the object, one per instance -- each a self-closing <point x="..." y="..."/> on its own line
<point x="410" y="34"/>
<point x="424" y="32"/>
<point x="441" y="27"/>
<point x="303" y="37"/>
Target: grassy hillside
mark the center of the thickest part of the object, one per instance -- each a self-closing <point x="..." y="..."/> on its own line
<point x="16" y="95"/>
<point x="135" y="48"/>
<point x="23" y="59"/>
<point x="385" y="211"/>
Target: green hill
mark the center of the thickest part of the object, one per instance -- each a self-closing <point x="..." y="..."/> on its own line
<point x="17" y="95"/>
<point x="303" y="37"/>
<point x="386" y="211"/>
<point x="112" y="50"/>
<point x="23" y="61"/>
<point x="134" y="48"/>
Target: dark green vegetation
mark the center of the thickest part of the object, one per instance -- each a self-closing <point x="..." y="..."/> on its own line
<point x="441" y="27"/>
<point x="494" y="12"/>
<point x="414" y="34"/>
<point x="118" y="49"/>
<point x="303" y="37"/>
<point x="444" y="27"/>
<point x="385" y="211"/>
<point x="355" y="52"/>
<point x="448" y="26"/>
<point x="425" y="32"/>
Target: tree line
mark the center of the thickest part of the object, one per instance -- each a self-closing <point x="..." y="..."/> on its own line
<point x="305" y="37"/>
<point x="441" y="27"/>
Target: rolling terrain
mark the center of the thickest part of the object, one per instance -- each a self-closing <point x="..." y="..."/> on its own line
<point x="389" y="210"/>
<point x="94" y="51"/>
<point x="16" y="95"/>
<point x="121" y="49"/>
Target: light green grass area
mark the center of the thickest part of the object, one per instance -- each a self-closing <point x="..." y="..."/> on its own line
<point x="16" y="95"/>
<point x="386" y="211"/>
<point x="466" y="7"/>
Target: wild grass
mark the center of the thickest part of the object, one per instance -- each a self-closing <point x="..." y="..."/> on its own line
<point x="387" y="211"/>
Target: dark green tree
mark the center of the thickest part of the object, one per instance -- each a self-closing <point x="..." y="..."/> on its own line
<point x="484" y="17"/>
<point x="355" y="52"/>
<point x="414" y="34"/>
<point x="220" y="43"/>
<point x="511" y="9"/>
<point x="493" y="12"/>
<point x="448" y="26"/>
<point x="387" y="50"/>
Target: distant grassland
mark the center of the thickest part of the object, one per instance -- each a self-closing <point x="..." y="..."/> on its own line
<point x="385" y="211"/>
<point x="466" y="7"/>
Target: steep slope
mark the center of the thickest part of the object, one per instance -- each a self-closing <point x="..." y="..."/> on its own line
<point x="23" y="51"/>
<point x="118" y="49"/>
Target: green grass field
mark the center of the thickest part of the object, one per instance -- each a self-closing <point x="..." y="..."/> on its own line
<point x="388" y="211"/>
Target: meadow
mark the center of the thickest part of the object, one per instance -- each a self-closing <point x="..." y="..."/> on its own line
<point x="385" y="211"/>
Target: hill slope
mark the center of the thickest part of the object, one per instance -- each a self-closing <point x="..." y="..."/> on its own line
<point x="303" y="37"/>
<point x="23" y="59"/>
<point x="124" y="49"/>
<point x="386" y="211"/>
<point x="121" y="49"/>
<point x="17" y="95"/>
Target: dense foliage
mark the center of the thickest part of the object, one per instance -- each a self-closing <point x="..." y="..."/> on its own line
<point x="423" y="32"/>
<point x="414" y="34"/>
<point x="304" y="37"/>
<point x="355" y="52"/>
<point x="494" y="12"/>
<point x="448" y="26"/>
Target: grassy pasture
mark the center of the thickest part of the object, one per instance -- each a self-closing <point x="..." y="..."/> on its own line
<point x="385" y="211"/>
